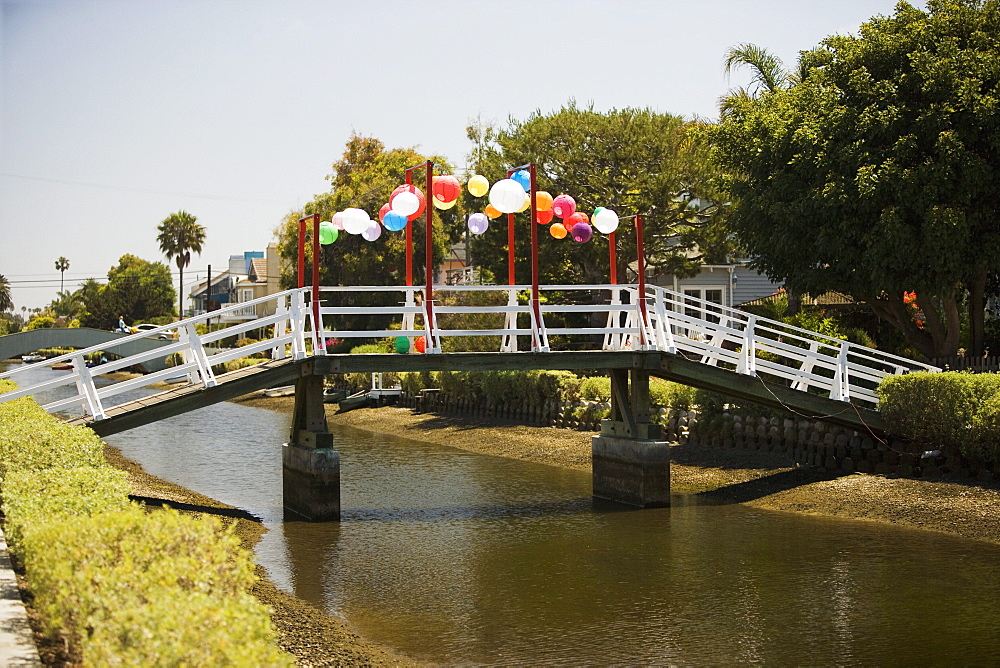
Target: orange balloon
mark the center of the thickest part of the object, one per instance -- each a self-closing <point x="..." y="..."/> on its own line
<point x="543" y="201"/>
<point x="420" y="344"/>
<point x="492" y="211"/>
<point x="558" y="231"/>
<point x="544" y="217"/>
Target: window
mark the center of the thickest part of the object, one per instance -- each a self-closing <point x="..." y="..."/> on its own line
<point x="698" y="309"/>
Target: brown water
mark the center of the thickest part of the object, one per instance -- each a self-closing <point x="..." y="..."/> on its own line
<point x="458" y="558"/>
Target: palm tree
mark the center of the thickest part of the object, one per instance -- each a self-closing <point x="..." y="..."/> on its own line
<point x="67" y="304"/>
<point x="180" y="234"/>
<point x="62" y="264"/>
<point x="6" y="302"/>
<point x="768" y="74"/>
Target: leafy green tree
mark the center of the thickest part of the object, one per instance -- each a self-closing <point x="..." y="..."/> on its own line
<point x="62" y="264"/>
<point x="6" y="302"/>
<point x="629" y="160"/>
<point x="877" y="174"/>
<point x="179" y="234"/>
<point x="67" y="304"/>
<point x="137" y="289"/>
<point x="364" y="178"/>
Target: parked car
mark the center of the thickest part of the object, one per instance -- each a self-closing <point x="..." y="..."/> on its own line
<point x="169" y="334"/>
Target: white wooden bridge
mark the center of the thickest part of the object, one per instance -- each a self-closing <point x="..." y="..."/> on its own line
<point x="789" y="360"/>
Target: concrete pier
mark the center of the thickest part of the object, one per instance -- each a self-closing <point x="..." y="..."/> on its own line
<point x="310" y="467"/>
<point x="631" y="471"/>
<point x="311" y="481"/>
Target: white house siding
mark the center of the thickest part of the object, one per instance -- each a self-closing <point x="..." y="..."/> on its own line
<point x="751" y="285"/>
<point x="739" y="286"/>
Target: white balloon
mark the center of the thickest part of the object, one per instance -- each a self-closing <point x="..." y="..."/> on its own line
<point x="405" y="203"/>
<point x="338" y="220"/>
<point x="373" y="231"/>
<point x="355" y="221"/>
<point x="606" y="221"/>
<point x="507" y="196"/>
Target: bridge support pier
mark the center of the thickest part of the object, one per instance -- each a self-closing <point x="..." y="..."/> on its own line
<point x="630" y="462"/>
<point x="310" y="467"/>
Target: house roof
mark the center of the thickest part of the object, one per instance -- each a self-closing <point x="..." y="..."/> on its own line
<point x="216" y="279"/>
<point x="258" y="269"/>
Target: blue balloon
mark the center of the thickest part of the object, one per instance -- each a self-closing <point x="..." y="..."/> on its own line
<point x="524" y="178"/>
<point x="394" y="222"/>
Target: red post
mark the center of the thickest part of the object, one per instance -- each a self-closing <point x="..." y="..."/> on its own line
<point x="429" y="251"/>
<point x="613" y="253"/>
<point x="409" y="239"/>
<point x="536" y="306"/>
<point x="317" y="324"/>
<point x="641" y="268"/>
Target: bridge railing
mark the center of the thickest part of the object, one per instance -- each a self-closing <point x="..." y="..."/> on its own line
<point x="614" y="310"/>
<point x="91" y="388"/>
<point x="752" y="345"/>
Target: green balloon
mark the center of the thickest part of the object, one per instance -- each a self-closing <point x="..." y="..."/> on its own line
<point x="402" y="344"/>
<point x="327" y="233"/>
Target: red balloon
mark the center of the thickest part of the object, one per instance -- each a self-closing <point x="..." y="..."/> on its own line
<point x="544" y="217"/>
<point x="420" y="196"/>
<point x="420" y="344"/>
<point x="578" y="217"/>
<point x="446" y="188"/>
<point x="381" y="212"/>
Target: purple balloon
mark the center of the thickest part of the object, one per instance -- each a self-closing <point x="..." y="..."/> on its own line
<point x="478" y="222"/>
<point x="582" y="232"/>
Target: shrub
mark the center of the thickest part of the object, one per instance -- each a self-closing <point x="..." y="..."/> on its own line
<point x="596" y="388"/>
<point x="936" y="409"/>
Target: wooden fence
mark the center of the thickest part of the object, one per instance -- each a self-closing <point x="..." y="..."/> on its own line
<point x="974" y="364"/>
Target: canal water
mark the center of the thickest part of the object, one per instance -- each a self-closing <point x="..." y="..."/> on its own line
<point x="458" y="558"/>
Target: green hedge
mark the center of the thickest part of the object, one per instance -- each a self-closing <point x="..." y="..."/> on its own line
<point x="118" y="585"/>
<point x="954" y="410"/>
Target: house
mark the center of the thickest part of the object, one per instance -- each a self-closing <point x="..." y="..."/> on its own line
<point x="222" y="284"/>
<point x="731" y="284"/>
<point x="256" y="274"/>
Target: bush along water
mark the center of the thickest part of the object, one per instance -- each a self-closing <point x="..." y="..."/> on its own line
<point x="118" y="585"/>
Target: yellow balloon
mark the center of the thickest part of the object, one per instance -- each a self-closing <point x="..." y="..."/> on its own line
<point x="557" y="230"/>
<point x="527" y="202"/>
<point x="492" y="211"/>
<point x="478" y="185"/>
<point x="444" y="206"/>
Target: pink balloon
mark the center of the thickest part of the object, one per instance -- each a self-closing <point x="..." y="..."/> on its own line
<point x="564" y="206"/>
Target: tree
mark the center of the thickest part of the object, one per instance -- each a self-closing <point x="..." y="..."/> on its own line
<point x="877" y="174"/>
<point x="629" y="160"/>
<point x="67" y="304"/>
<point x="179" y="234"/>
<point x="6" y="302"/>
<point x="364" y="178"/>
<point x="136" y="289"/>
<point x="62" y="264"/>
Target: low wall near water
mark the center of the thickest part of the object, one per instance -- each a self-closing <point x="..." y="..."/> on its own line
<point x="805" y="442"/>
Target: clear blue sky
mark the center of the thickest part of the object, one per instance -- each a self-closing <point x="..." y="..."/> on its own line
<point x="116" y="113"/>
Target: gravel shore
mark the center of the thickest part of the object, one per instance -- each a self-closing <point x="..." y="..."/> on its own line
<point x="956" y="506"/>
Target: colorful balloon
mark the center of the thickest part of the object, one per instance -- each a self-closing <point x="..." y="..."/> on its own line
<point x="527" y="203"/>
<point x="394" y="222"/>
<point x="478" y="223"/>
<point x="446" y="188"/>
<point x="420" y="344"/>
<point x="577" y="217"/>
<point x="581" y="232"/>
<point x="543" y="201"/>
<point x="492" y="212"/>
<point x="564" y="206"/>
<point x="327" y="233"/>
<point x="338" y="221"/>
<point x="408" y="189"/>
<point x="544" y="217"/>
<point x="557" y="230"/>
<point x="523" y="177"/>
<point x="382" y="211"/>
<point x="373" y="231"/>
<point x="444" y="206"/>
<point x="405" y="203"/>
<point x="355" y="221"/>
<point x="401" y="344"/>
<point x="478" y="185"/>
<point x="605" y="220"/>
<point x="507" y="195"/>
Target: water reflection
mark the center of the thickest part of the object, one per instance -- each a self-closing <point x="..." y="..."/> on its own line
<point x="458" y="558"/>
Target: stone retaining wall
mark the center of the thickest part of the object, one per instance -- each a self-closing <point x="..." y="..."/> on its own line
<point x="805" y="442"/>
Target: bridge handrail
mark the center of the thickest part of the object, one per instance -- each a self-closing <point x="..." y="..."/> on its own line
<point x="190" y="345"/>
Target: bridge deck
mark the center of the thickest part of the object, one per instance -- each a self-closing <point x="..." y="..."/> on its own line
<point x="668" y="366"/>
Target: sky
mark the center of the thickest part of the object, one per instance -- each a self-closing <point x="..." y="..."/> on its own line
<point x="116" y="113"/>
